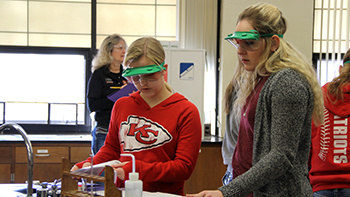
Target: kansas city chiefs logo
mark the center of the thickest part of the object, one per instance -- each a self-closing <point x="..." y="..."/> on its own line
<point x="139" y="133"/>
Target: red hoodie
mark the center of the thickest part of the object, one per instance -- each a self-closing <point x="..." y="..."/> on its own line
<point x="164" y="139"/>
<point x="330" y="152"/>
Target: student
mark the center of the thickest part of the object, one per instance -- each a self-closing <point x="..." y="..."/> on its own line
<point x="277" y="98"/>
<point x="160" y="128"/>
<point x="106" y="78"/>
<point x="330" y="161"/>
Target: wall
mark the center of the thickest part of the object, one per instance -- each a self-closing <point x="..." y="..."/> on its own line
<point x="299" y="16"/>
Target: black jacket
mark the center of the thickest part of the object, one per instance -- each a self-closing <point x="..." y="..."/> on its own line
<point x="101" y="84"/>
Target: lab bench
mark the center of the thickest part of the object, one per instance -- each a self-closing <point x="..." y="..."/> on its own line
<point x="48" y="151"/>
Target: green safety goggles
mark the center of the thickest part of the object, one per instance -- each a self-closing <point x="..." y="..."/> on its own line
<point x="347" y="62"/>
<point x="249" y="40"/>
<point x="147" y="73"/>
<point x="143" y="70"/>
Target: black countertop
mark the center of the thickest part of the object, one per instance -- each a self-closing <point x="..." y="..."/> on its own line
<point x="212" y="140"/>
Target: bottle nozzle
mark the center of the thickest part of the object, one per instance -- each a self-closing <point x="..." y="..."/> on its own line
<point x="132" y="159"/>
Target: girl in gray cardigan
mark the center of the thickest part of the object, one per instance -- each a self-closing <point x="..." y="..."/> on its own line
<point x="278" y="95"/>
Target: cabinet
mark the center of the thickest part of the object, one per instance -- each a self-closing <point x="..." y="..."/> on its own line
<point x="47" y="160"/>
<point x="79" y="153"/>
<point x="47" y="163"/>
<point x="5" y="164"/>
<point x="209" y="170"/>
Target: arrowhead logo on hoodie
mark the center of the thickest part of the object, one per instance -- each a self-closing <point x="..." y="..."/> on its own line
<point x="139" y="133"/>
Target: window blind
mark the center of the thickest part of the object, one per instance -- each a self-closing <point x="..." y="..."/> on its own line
<point x="331" y="36"/>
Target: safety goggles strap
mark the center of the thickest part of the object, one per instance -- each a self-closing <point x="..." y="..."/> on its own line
<point x="249" y="35"/>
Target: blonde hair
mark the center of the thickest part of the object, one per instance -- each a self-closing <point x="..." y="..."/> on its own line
<point x="267" y="19"/>
<point x="149" y="47"/>
<point x="335" y="86"/>
<point x="104" y="55"/>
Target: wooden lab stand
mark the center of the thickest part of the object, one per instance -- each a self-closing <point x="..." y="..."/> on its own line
<point x="69" y="186"/>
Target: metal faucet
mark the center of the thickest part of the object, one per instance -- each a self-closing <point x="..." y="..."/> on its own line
<point x="29" y="153"/>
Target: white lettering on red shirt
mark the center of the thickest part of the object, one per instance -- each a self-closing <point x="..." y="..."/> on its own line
<point x="340" y="142"/>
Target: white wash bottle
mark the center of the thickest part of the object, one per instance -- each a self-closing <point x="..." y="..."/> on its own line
<point x="133" y="186"/>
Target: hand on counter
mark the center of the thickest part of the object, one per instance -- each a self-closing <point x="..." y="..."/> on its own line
<point x="207" y="193"/>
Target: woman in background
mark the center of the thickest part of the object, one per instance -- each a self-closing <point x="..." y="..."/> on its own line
<point x="278" y="95"/>
<point x="329" y="158"/>
<point x="106" y="79"/>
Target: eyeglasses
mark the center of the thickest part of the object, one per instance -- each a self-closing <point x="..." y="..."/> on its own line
<point x="118" y="48"/>
<point x="136" y="79"/>
<point x="248" y="40"/>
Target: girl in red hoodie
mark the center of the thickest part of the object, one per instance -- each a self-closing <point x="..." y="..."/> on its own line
<point x="161" y="128"/>
<point x="330" y="150"/>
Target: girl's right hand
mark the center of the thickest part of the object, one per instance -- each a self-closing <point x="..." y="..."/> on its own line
<point x="87" y="164"/>
<point x="75" y="167"/>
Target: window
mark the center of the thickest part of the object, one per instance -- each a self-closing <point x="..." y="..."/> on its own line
<point x="53" y="92"/>
<point x="46" y="90"/>
<point x="68" y="23"/>
<point x="136" y="18"/>
<point x="46" y="48"/>
<point x="331" y="37"/>
<point x="48" y="23"/>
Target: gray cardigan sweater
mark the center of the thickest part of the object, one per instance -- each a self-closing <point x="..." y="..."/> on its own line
<point x="282" y="138"/>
